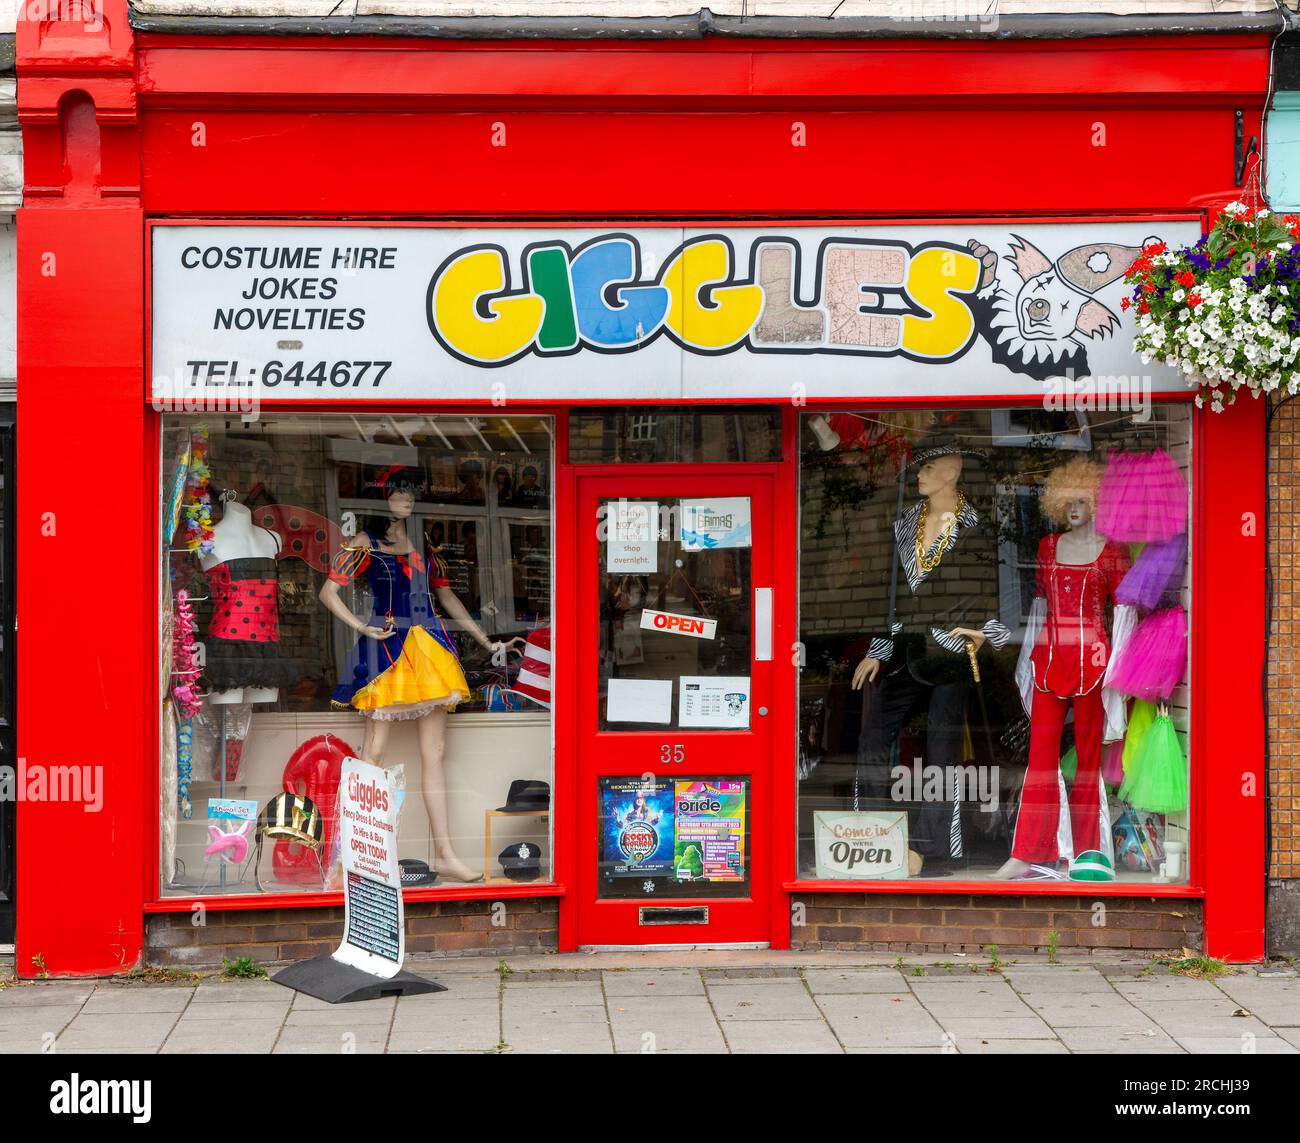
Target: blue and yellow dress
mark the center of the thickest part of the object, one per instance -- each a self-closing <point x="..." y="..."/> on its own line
<point x="416" y="669"/>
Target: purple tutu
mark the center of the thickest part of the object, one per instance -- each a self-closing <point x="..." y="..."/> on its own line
<point x="1157" y="570"/>
<point x="1142" y="498"/>
<point x="1151" y="664"/>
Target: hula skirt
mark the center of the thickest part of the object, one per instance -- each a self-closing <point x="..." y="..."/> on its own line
<point x="407" y="675"/>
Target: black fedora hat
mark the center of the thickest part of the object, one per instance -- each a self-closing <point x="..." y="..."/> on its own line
<point x="416" y="873"/>
<point x="521" y="861"/>
<point x="526" y="794"/>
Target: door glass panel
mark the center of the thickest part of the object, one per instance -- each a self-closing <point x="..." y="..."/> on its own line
<point x="676" y="639"/>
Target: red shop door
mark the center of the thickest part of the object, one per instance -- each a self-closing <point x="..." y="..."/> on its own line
<point x="675" y="706"/>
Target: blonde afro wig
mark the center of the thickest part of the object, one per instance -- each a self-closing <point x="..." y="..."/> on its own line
<point x="1076" y="479"/>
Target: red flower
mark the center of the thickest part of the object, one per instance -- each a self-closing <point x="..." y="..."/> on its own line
<point x="1148" y="287"/>
<point x="1154" y="248"/>
<point x="1194" y="300"/>
<point x="1143" y="308"/>
<point x="1186" y="278"/>
<point x="1124" y="303"/>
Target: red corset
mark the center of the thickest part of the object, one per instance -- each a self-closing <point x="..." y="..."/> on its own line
<point x="244" y="600"/>
<point x="1073" y="649"/>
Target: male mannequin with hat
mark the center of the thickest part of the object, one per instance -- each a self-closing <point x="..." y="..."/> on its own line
<point x="926" y="660"/>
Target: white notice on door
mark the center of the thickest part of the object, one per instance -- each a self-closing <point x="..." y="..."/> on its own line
<point x="640" y="700"/>
<point x="632" y="543"/>
<point x="721" y="702"/>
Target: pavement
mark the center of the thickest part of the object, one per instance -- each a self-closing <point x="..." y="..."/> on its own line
<point x="689" y="1002"/>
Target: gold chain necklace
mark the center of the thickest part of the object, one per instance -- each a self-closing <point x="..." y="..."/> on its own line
<point x="926" y="562"/>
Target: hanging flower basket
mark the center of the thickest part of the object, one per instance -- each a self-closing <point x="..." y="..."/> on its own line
<point x="1224" y="311"/>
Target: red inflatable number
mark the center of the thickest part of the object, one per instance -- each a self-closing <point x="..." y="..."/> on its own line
<point x="313" y="770"/>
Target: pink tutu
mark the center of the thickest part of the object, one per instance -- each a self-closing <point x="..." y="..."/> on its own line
<point x="1142" y="498"/>
<point x="1151" y="664"/>
<point x="1112" y="763"/>
<point x="1157" y="570"/>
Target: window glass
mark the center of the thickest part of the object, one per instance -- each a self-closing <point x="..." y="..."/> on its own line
<point x="373" y="586"/>
<point x="994" y="629"/>
<point x="647" y="434"/>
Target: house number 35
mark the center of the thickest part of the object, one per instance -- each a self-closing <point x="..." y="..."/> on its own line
<point x="672" y="752"/>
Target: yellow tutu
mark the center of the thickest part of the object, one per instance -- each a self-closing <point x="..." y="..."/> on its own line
<point x="423" y="677"/>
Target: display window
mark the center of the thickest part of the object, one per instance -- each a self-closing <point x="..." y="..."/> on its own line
<point x="367" y="586"/>
<point x="994" y="609"/>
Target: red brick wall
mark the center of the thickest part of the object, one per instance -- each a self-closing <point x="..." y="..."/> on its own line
<point x="438" y="928"/>
<point x="908" y="922"/>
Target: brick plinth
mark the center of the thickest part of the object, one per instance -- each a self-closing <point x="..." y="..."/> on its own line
<point x="433" y="928"/>
<point x="912" y="923"/>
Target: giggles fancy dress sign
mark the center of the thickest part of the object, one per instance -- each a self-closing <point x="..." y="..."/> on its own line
<point x="420" y="312"/>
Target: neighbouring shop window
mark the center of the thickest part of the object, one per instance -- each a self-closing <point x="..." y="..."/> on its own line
<point x="375" y="586"/>
<point x="642" y="434"/>
<point x="994" y="612"/>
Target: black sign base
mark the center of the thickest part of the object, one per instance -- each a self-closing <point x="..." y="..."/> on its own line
<point x="336" y="983"/>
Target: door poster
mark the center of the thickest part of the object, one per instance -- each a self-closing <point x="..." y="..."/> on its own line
<point x="687" y="830"/>
<point x="636" y="827"/>
<point x="709" y="830"/>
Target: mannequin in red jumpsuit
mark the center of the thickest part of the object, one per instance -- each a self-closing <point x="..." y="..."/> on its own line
<point x="1066" y="651"/>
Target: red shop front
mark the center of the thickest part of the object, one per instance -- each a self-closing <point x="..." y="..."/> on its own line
<point x="613" y="383"/>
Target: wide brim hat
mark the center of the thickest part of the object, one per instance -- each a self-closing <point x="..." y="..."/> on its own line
<point x="944" y="444"/>
<point x="526" y="794"/>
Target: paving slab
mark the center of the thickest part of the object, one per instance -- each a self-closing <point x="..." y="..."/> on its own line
<point x="775" y="999"/>
<point x="1025" y="1047"/>
<point x="963" y="1028"/>
<point x="779" y="1037"/>
<point x="1116" y="1040"/>
<point x="671" y="982"/>
<point x="1167" y="988"/>
<point x="330" y="1041"/>
<point x="134" y="1000"/>
<point x="1238" y="1045"/>
<point x="249" y="1037"/>
<point x="42" y="995"/>
<point x="854" y="980"/>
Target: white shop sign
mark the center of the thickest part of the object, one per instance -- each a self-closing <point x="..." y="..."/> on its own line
<point x="861" y="846"/>
<point x="374" y="930"/>
<point x="384" y="313"/>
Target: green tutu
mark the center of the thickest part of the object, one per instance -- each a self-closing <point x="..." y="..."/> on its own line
<point x="1158" y="780"/>
<point x="1069" y="764"/>
<point x="1139" y="722"/>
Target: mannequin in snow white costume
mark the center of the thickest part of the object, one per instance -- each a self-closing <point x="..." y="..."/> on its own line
<point x="1062" y="664"/>
<point x="405" y="664"/>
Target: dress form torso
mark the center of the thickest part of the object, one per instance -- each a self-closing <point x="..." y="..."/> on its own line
<point x="236" y="537"/>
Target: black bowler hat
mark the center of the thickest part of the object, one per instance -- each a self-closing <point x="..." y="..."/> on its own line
<point x="522" y="861"/>
<point x="526" y="794"/>
<point x="416" y="873"/>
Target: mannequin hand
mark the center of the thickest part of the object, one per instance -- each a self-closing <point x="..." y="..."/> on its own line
<point x="976" y="637"/>
<point x="866" y="672"/>
<point x="500" y="650"/>
<point x="377" y="632"/>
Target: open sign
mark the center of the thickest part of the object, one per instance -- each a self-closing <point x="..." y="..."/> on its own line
<point x="673" y="624"/>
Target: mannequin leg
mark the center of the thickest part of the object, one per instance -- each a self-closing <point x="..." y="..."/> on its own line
<point x="1085" y="808"/>
<point x="433" y="736"/>
<point x="375" y="742"/>
<point x="1040" y="808"/>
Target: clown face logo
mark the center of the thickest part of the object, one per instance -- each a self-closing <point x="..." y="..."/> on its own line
<point x="1041" y="319"/>
<point x="637" y="841"/>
